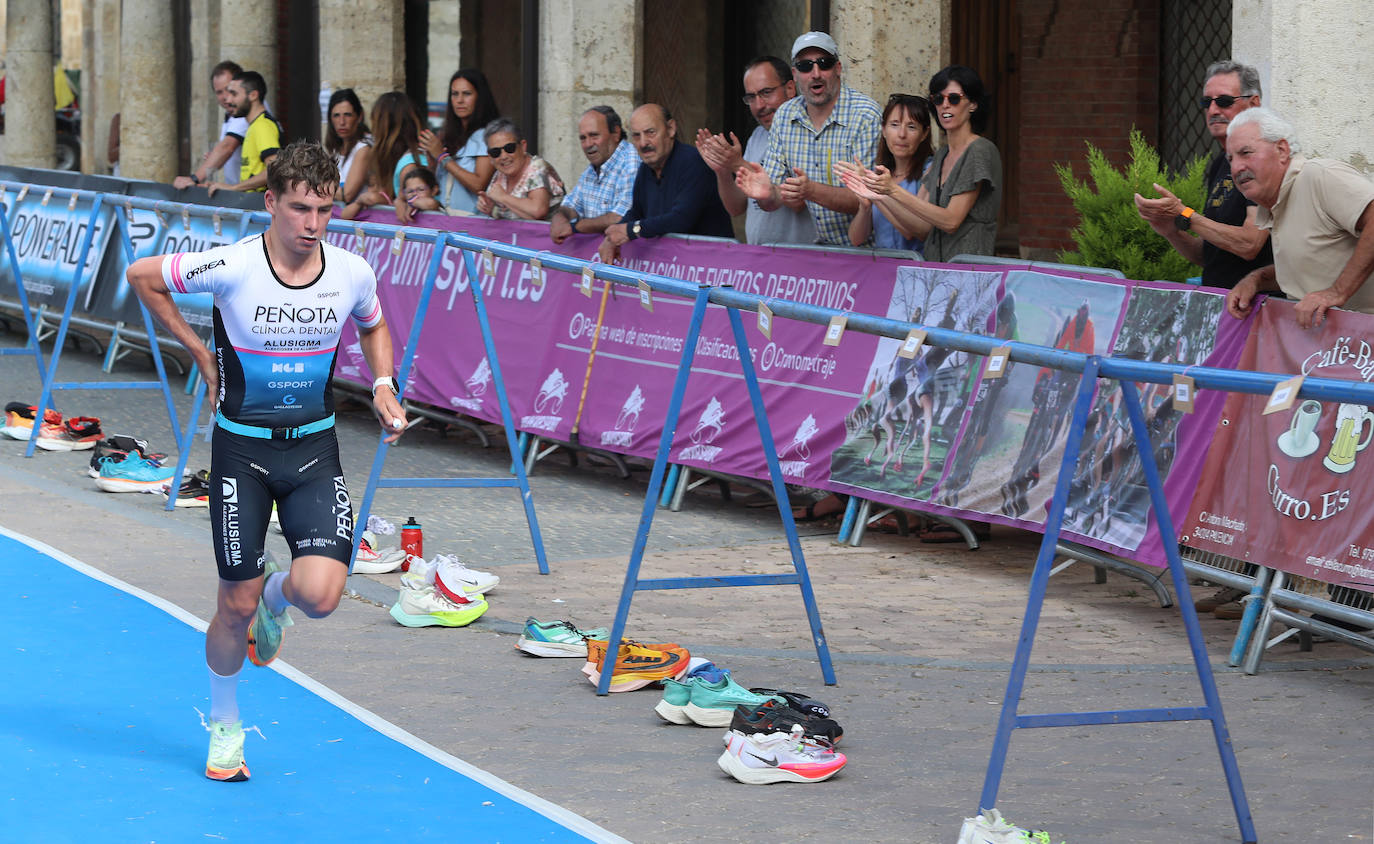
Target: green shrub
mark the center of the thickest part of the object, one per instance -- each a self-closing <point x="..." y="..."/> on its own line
<point x="1110" y="232"/>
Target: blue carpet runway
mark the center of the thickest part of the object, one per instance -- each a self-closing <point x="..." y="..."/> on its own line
<point x="100" y="741"/>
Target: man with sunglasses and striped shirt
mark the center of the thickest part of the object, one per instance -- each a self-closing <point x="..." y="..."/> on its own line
<point x="811" y="134"/>
<point x="1223" y="239"/>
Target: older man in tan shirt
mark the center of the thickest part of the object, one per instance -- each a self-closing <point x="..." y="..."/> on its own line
<point x="1320" y="214"/>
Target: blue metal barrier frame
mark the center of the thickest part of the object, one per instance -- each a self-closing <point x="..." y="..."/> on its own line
<point x="375" y="480"/>
<point x="50" y="382"/>
<point x="30" y="346"/>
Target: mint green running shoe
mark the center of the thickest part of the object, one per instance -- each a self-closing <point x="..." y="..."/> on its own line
<point x="225" y="760"/>
<point x="557" y="638"/>
<point x="713" y="704"/>
<point x="676" y="696"/>
<point x="265" y="631"/>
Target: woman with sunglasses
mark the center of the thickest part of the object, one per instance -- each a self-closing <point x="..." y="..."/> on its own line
<point x="460" y="149"/>
<point x="955" y="209"/>
<point x="349" y="142"/>
<point x="396" y="151"/>
<point x="524" y="187"/>
<point x="904" y="151"/>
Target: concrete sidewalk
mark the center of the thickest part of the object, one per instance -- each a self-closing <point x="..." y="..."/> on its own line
<point x="921" y="635"/>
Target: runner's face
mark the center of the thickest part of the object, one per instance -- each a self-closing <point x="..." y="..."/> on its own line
<point x="299" y="217"/>
<point x="344" y="119"/>
<point x="221" y="85"/>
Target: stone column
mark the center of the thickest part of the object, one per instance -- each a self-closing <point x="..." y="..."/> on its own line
<point x="445" y="32"/>
<point x="206" y="115"/>
<point x="362" y="46"/>
<point x="1313" y="45"/>
<point x="248" y="35"/>
<point x="889" y="47"/>
<point x="147" y="123"/>
<point x="30" y="132"/>
<point x="585" y="60"/>
<point x="100" y="87"/>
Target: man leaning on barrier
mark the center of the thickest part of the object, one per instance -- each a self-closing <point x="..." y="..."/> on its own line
<point x="225" y="152"/>
<point x="1228" y="245"/>
<point x="1320" y="214"/>
<point x="674" y="191"/>
<point x="605" y="190"/>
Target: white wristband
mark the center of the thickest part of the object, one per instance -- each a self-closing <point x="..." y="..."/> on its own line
<point x="388" y="381"/>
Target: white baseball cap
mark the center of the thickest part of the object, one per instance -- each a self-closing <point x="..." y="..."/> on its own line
<point x="820" y="40"/>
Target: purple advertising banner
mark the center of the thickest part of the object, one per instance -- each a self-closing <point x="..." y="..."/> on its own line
<point x="928" y="432"/>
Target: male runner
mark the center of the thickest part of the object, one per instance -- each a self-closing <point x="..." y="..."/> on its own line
<point x="280" y="301"/>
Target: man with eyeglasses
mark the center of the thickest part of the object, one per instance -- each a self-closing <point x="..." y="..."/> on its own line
<point x="603" y="193"/>
<point x="767" y="85"/>
<point x="1223" y="239"/>
<point x="828" y="124"/>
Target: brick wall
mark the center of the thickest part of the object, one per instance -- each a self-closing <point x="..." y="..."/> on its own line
<point x="1089" y="72"/>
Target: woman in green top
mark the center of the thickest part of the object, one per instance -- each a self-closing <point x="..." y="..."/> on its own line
<point x="955" y="209"/>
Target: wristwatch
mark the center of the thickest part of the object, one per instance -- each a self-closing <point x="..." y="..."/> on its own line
<point x="386" y="381"/>
<point x="1184" y="221"/>
<point x="572" y="222"/>
<point x="634" y="229"/>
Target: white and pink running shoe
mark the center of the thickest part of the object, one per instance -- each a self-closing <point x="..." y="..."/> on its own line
<point x="779" y="757"/>
<point x="458" y="582"/>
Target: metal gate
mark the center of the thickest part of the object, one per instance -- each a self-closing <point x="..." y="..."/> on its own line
<point x="1193" y="34"/>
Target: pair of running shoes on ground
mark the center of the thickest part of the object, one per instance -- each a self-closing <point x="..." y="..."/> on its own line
<point x="75" y="433"/>
<point x="991" y="828"/>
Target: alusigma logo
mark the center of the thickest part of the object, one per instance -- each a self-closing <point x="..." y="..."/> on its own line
<point x="233" y="544"/>
<point x="190" y="274"/>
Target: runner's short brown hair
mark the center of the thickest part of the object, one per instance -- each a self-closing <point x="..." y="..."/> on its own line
<point x="303" y="161"/>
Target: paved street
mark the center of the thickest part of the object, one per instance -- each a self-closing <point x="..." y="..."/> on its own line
<point x="921" y="636"/>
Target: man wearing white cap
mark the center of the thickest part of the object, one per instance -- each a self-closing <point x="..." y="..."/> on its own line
<point x="829" y="123"/>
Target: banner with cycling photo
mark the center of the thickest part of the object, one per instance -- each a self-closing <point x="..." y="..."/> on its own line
<point x="901" y="432"/>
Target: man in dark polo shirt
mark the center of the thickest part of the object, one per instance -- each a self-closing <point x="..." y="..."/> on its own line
<point x="1223" y="239"/>
<point x="674" y="190"/>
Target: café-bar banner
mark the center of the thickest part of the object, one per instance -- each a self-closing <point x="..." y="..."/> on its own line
<point x="931" y="431"/>
<point x="1284" y="489"/>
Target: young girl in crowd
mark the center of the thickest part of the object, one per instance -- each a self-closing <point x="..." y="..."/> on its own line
<point x="396" y="151"/>
<point x="956" y="206"/>
<point x="349" y="142"/>
<point x="460" y="152"/>
<point x="421" y="190"/>
<point x="904" y="150"/>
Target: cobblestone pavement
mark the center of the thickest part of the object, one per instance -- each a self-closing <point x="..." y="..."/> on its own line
<point x="921" y="637"/>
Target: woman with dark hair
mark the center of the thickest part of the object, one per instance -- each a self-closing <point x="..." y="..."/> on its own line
<point x="904" y="150"/>
<point x="464" y="168"/>
<point x="396" y="151"/>
<point x="525" y="187"/>
<point x="956" y="206"/>
<point x="349" y="142"/>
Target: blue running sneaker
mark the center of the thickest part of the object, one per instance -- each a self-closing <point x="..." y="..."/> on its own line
<point x="132" y="473"/>
<point x="265" y="631"/>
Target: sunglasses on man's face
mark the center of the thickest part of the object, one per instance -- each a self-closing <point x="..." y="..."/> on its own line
<point x="824" y="63"/>
<point x="495" y="152"/>
<point x="1224" y="101"/>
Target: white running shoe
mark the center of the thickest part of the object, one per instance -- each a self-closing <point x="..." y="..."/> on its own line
<point x="419" y="574"/>
<point x="991" y="828"/>
<point x="779" y="757"/>
<point x="371" y="561"/>
<point x="457" y="581"/>
<point x="427" y="607"/>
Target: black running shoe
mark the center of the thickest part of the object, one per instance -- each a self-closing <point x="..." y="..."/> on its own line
<point x="774" y="717"/>
<point x="798" y="701"/>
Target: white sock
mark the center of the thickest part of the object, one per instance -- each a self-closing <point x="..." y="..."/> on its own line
<point x="224" y="697"/>
<point x="272" y="594"/>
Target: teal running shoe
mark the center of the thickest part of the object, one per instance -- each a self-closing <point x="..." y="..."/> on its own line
<point x="713" y="704"/>
<point x="225" y="760"/>
<point x="132" y="473"/>
<point x="265" y="631"/>
<point x="557" y="638"/>
<point x="676" y="696"/>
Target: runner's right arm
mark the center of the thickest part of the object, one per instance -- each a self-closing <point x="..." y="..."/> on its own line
<point x="145" y="277"/>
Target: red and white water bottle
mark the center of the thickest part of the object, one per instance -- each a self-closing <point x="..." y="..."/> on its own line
<point x="412" y="541"/>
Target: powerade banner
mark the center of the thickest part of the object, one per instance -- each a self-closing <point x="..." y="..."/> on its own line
<point x="47" y="235"/>
<point x="932" y="432"/>
<point x="161" y="233"/>
<point x="1285" y="489"/>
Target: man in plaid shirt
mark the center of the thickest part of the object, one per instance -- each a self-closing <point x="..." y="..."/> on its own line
<point x="603" y="193"/>
<point x="827" y="124"/>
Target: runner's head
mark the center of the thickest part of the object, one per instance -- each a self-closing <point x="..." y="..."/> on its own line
<point x="303" y="161"/>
